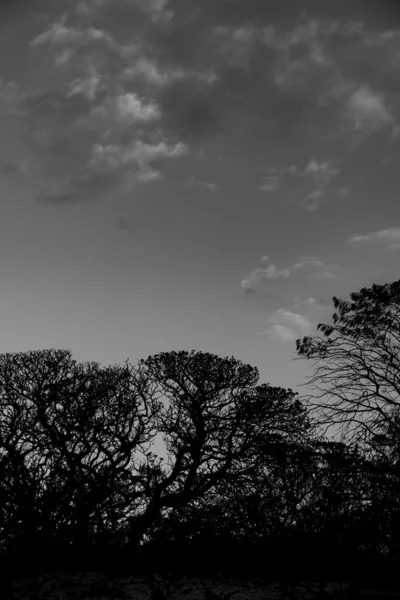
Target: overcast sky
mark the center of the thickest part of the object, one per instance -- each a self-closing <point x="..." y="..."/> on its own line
<point x="194" y="174"/>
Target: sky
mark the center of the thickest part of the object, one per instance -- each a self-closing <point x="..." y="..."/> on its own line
<point x="185" y="174"/>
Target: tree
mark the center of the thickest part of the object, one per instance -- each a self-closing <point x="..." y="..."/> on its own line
<point x="68" y="433"/>
<point x="75" y="438"/>
<point x="216" y="418"/>
<point x="296" y="508"/>
<point x="357" y="366"/>
<point x="356" y="386"/>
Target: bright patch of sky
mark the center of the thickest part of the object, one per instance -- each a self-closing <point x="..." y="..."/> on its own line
<point x="194" y="175"/>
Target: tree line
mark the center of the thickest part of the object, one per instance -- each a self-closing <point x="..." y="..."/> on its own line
<point x="250" y="483"/>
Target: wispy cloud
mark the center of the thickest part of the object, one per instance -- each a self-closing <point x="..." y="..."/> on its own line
<point x="88" y="85"/>
<point x="389" y="237"/>
<point x="271" y="184"/>
<point x="312" y="201"/>
<point x="138" y="152"/>
<point x="310" y="265"/>
<point x="152" y="72"/>
<point x="320" y="173"/>
<point x="212" y="187"/>
<point x="67" y="39"/>
<point x="291" y="318"/>
<point x="298" y="320"/>
<point x="286" y="325"/>
<point x="272" y="180"/>
<point x="279" y="332"/>
<point x="259" y="275"/>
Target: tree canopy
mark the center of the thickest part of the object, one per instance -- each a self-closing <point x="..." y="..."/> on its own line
<point x="76" y="439"/>
<point x="245" y="470"/>
<point x="356" y="382"/>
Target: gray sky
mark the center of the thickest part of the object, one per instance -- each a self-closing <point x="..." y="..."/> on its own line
<point x="194" y="175"/>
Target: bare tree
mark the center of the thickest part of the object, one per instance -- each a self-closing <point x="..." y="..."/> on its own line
<point x="356" y="384"/>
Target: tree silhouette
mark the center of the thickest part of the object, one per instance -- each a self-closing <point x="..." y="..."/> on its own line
<point x="216" y="417"/>
<point x="356" y="386"/>
<point x="247" y="483"/>
<point x="75" y="442"/>
<point x="68" y="434"/>
<point x="357" y="374"/>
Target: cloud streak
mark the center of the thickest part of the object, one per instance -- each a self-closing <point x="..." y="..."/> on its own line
<point x="311" y="266"/>
<point x="288" y="324"/>
<point x="320" y="173"/>
<point x="388" y="237"/>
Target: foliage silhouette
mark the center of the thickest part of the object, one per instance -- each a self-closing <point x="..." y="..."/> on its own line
<point x="248" y="485"/>
<point x="358" y="364"/>
<point x="357" y="387"/>
<point x="71" y="482"/>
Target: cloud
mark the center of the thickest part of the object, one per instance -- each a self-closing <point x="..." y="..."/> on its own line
<point x="236" y="44"/>
<point x="343" y="65"/>
<point x="389" y="237"/>
<point x="286" y="325"/>
<point x="368" y="110"/>
<point x="152" y="7"/>
<point x="75" y="153"/>
<point x="259" y="275"/>
<point x="139" y="152"/>
<point x="290" y="169"/>
<point x="298" y="320"/>
<point x="307" y="262"/>
<point x="271" y="184"/>
<point x="272" y="180"/>
<point x="156" y="70"/>
<point x="311" y="301"/>
<point x="152" y="72"/>
<point x="292" y="318"/>
<point x="59" y="34"/>
<point x="75" y="44"/>
<point x="212" y="187"/>
<point x="90" y="119"/>
<point x="146" y="174"/>
<point x="87" y="86"/>
<point x="301" y="56"/>
<point x="321" y="172"/>
<point x="279" y="332"/>
<point x="130" y="107"/>
<point x="365" y="109"/>
<point x="312" y="201"/>
<point x="313" y="267"/>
